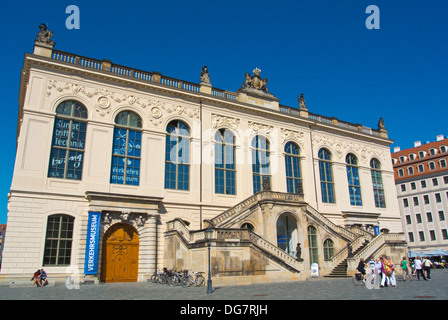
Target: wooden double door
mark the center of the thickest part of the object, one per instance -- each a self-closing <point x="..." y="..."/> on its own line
<point x="120" y="254"/>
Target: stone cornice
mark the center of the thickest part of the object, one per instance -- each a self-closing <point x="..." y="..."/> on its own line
<point x="32" y="60"/>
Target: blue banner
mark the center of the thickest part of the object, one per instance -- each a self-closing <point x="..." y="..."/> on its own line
<point x="93" y="231"/>
<point x="377" y="230"/>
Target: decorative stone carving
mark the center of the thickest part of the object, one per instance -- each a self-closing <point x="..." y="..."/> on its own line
<point x="302" y="105"/>
<point x="107" y="219"/>
<point x="156" y="112"/>
<point x="219" y="121"/>
<point x="125" y="215"/>
<point x="255" y="85"/>
<point x="340" y="148"/>
<point x="296" y="136"/>
<point x="103" y="102"/>
<point x="205" y="76"/>
<point x="45" y="35"/>
<point x="255" y="81"/>
<point x="189" y="112"/>
<point x="257" y="127"/>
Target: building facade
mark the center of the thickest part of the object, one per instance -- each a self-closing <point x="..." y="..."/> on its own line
<point x="421" y="175"/>
<point x="120" y="171"/>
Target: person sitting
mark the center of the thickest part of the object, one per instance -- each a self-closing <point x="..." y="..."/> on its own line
<point x="43" y="278"/>
<point x="36" y="279"/>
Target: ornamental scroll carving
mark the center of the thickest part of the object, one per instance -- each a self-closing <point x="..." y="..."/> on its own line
<point x="340" y="148"/>
<point x="261" y="128"/>
<point x="137" y="220"/>
<point x="291" y="135"/>
<point x="104" y="100"/>
<point x="222" y="121"/>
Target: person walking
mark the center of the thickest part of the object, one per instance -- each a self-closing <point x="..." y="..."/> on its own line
<point x="405" y="269"/>
<point x="426" y="266"/>
<point x="386" y="272"/>
<point x="391" y="265"/>
<point x="418" y="269"/>
<point x="377" y="274"/>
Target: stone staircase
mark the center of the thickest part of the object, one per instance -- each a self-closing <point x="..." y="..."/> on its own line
<point x="241" y="253"/>
<point x="340" y="271"/>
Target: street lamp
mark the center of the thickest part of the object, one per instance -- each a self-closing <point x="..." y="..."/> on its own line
<point x="208" y="235"/>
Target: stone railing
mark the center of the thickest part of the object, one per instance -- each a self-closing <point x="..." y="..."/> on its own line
<point x="343" y="254"/>
<point x="227" y="215"/>
<point x="374" y="245"/>
<point x="220" y="235"/>
<point x="275" y="251"/>
<point x="340" y="230"/>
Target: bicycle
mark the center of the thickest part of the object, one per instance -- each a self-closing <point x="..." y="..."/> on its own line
<point x="155" y="276"/>
<point x="177" y="278"/>
<point x="164" y="276"/>
<point x="358" y="279"/>
<point x="198" y="281"/>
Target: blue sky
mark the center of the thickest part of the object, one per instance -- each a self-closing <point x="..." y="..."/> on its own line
<point x="320" y="48"/>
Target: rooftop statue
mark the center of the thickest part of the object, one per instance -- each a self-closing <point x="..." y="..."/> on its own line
<point x="205" y="76"/>
<point x="255" y="81"/>
<point x="256" y="85"/>
<point x="45" y="35"/>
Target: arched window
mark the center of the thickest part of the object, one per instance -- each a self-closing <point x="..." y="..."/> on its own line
<point x="68" y="143"/>
<point x="286" y="234"/>
<point x="58" y="240"/>
<point x="177" y="156"/>
<point x="248" y="226"/>
<point x="225" y="162"/>
<point x="326" y="176"/>
<point x="292" y="164"/>
<point x="261" y="175"/>
<point x="126" y="149"/>
<point x="312" y="245"/>
<point x="328" y="249"/>
<point x="377" y="181"/>
<point x="354" y="185"/>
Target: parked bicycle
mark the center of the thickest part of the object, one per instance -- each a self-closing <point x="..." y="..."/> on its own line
<point x="177" y="278"/>
<point x="198" y="281"/>
<point x="165" y="276"/>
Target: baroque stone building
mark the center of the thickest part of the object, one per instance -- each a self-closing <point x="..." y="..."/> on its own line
<point x="120" y="172"/>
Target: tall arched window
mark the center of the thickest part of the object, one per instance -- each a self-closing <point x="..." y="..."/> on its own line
<point x="326" y="176"/>
<point x="126" y="149"/>
<point x="286" y="234"/>
<point x="225" y="162"/>
<point x="328" y="249"/>
<point x="68" y="143"/>
<point x="312" y="245"/>
<point x="292" y="163"/>
<point x="261" y="175"/>
<point x="177" y="156"/>
<point x="354" y="185"/>
<point x="377" y="181"/>
<point x="58" y="240"/>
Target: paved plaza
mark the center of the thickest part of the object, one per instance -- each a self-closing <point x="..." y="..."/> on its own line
<point x="313" y="289"/>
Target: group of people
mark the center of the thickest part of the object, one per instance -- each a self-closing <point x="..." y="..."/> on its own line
<point x="39" y="278"/>
<point x="422" y="267"/>
<point x="383" y="270"/>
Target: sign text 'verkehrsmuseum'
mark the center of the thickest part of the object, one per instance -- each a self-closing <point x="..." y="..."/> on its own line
<point x="91" y="260"/>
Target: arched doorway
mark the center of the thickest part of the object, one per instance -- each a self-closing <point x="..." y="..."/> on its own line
<point x="120" y="254"/>
<point x="287" y="234"/>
